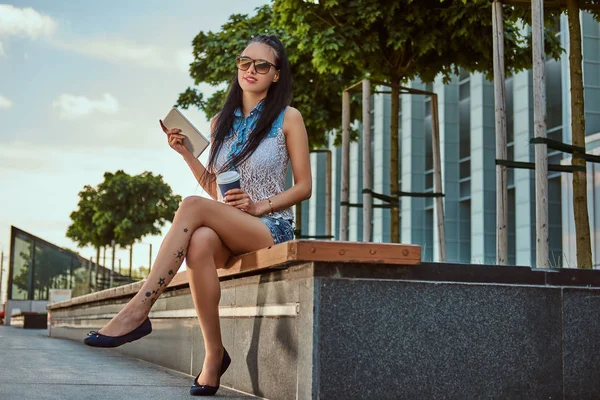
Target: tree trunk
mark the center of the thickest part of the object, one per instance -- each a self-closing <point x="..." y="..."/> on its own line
<point x="345" y="184"/>
<point x="366" y="167"/>
<point x="539" y="131"/>
<point x="96" y="268"/>
<point x="394" y="140"/>
<point x="582" y="223"/>
<point x="500" y="123"/>
<point x="130" y="260"/>
<point x="103" y="267"/>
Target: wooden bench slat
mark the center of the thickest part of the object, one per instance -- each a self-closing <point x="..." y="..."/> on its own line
<point x="321" y="250"/>
<point x="285" y="253"/>
<point x="381" y="253"/>
<point x="257" y="260"/>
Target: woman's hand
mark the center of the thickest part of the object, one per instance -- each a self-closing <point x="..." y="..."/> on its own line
<point x="240" y="200"/>
<point x="175" y="139"/>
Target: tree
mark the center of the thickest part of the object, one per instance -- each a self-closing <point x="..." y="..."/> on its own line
<point x="122" y="208"/>
<point x="400" y="40"/>
<point x="86" y="228"/>
<point x="135" y="205"/>
<point x="316" y="95"/>
<point x="580" y="210"/>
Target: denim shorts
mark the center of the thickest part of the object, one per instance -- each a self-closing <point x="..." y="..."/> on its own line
<point x="281" y="229"/>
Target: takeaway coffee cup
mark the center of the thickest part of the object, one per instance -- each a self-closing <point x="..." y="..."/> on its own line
<point x="227" y="181"/>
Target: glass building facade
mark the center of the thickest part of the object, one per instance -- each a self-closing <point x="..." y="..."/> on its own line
<point x="36" y="266"/>
<point x="467" y="140"/>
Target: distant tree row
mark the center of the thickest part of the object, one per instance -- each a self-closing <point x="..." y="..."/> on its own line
<point x="122" y="208"/>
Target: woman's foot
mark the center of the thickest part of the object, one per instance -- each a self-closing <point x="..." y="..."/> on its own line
<point x="96" y="339"/>
<point x="211" y="369"/>
<point x="209" y="389"/>
<point x="124" y="322"/>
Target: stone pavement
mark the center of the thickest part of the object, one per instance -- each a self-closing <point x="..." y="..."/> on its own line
<point x="35" y="366"/>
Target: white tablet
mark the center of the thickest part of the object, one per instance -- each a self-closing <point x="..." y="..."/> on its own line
<point x="194" y="140"/>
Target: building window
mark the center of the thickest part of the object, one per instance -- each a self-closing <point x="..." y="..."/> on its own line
<point x="428" y="126"/>
<point x="512" y="231"/>
<point x="21" y="257"/>
<point x="52" y="271"/>
<point x="464" y="250"/>
<point x="464" y="127"/>
<point x="428" y="247"/>
<point x="555" y="222"/>
<point x="465" y="139"/>
<point x="510" y="130"/>
<point x="553" y="97"/>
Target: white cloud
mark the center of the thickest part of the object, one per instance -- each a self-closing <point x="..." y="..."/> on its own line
<point x="119" y="51"/>
<point x="5" y="103"/>
<point x="24" y="22"/>
<point x="71" y="106"/>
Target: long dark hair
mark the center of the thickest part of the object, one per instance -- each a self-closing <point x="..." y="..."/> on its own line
<point x="278" y="97"/>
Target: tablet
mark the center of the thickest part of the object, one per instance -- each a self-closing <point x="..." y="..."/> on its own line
<point x="194" y="140"/>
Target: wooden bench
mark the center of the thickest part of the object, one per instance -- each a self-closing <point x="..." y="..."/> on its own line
<point x="280" y="256"/>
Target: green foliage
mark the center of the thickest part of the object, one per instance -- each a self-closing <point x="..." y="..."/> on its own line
<point x="406" y="39"/>
<point x="316" y="95"/>
<point x="123" y="208"/>
<point x="86" y="229"/>
<point x="332" y="44"/>
<point x="137" y="205"/>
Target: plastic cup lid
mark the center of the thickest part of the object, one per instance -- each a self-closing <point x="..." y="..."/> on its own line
<point x="227" y="177"/>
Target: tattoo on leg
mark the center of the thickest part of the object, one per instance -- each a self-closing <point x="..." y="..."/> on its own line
<point x="185" y="230"/>
<point x="161" y="282"/>
<point x="180" y="253"/>
<point x="170" y="272"/>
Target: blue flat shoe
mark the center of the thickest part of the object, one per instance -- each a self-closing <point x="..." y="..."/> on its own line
<point x="96" y="339"/>
<point x="206" y="390"/>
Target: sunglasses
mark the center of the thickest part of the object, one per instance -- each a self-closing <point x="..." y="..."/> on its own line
<point x="260" y="66"/>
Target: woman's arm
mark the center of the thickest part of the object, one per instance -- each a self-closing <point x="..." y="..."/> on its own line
<point x="209" y="185"/>
<point x="176" y="142"/>
<point x="297" y="146"/>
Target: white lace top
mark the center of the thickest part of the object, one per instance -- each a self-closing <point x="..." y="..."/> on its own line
<point x="262" y="175"/>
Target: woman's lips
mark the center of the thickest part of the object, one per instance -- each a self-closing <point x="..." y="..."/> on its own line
<point x="250" y="79"/>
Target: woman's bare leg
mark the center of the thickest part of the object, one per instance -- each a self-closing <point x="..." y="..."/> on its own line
<point x="238" y="231"/>
<point x="205" y="255"/>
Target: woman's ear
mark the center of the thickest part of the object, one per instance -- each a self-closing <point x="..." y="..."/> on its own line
<point x="276" y="76"/>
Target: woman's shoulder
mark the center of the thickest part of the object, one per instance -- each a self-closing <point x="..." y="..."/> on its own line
<point x="293" y="122"/>
<point x="292" y="115"/>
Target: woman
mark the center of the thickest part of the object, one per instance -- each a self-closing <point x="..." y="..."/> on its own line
<point x="255" y="133"/>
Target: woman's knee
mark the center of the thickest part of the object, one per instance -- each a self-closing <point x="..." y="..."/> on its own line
<point x="190" y="203"/>
<point x="203" y="243"/>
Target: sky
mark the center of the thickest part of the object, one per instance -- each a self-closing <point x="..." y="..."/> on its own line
<point x="82" y="87"/>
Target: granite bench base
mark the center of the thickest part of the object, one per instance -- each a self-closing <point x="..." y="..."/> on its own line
<point x="323" y="330"/>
